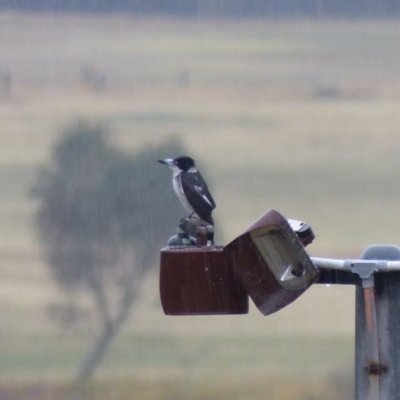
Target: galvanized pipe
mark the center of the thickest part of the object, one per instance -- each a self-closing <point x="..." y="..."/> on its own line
<point x="345" y="265"/>
<point x="328" y="263"/>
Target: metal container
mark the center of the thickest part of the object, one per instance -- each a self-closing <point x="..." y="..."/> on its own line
<point x="199" y="281"/>
<point x="270" y="261"/>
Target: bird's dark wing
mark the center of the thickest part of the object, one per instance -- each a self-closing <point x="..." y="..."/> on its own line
<point x="198" y="195"/>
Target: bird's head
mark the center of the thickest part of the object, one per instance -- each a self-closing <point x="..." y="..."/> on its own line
<point x="179" y="164"/>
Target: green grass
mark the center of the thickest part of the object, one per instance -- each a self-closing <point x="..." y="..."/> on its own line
<point x="171" y="389"/>
<point x="166" y="355"/>
<point x="186" y="366"/>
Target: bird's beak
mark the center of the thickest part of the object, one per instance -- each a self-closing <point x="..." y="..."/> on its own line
<point x="167" y="161"/>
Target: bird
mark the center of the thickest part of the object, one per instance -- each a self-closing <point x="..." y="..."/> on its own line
<point x="190" y="187"/>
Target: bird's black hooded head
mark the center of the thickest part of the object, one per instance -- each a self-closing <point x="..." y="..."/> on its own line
<point x="184" y="163"/>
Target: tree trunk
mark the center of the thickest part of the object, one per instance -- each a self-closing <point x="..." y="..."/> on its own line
<point x="111" y="329"/>
<point x="95" y="356"/>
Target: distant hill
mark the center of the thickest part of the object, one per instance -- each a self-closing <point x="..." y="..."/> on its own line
<point x="230" y="8"/>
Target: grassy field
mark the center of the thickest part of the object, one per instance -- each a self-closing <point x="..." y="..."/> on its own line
<point x="301" y="116"/>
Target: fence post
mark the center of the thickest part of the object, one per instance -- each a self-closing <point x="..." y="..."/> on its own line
<point x="387" y="298"/>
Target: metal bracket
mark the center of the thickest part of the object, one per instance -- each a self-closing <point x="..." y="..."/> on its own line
<point x="365" y="269"/>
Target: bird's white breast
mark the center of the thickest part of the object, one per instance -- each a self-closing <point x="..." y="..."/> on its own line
<point x="176" y="182"/>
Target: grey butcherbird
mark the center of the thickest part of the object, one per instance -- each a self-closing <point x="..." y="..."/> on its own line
<point x="191" y="188"/>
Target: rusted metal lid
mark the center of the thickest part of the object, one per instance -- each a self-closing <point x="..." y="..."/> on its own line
<point x="270" y="261"/>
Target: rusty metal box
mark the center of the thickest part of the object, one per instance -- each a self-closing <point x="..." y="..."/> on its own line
<point x="199" y="281"/>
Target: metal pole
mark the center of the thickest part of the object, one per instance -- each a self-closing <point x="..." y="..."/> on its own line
<point x="377" y="347"/>
<point x="377" y="371"/>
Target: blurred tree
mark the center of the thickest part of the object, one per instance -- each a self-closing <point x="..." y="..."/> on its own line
<point x="103" y="216"/>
